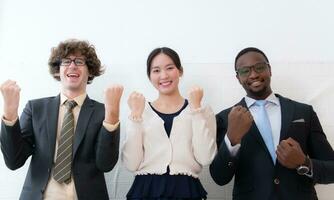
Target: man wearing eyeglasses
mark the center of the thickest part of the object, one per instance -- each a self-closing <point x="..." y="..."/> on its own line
<point x="72" y="139"/>
<point x="274" y="147"/>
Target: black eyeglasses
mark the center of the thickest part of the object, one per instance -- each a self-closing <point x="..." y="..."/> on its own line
<point x="77" y="61"/>
<point x="246" y="70"/>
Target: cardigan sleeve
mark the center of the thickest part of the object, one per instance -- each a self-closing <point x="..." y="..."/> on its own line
<point x="204" y="135"/>
<point x="132" y="150"/>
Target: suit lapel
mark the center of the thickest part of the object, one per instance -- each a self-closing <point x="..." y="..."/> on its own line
<point x="287" y="110"/>
<point x="83" y="120"/>
<point x="52" y="122"/>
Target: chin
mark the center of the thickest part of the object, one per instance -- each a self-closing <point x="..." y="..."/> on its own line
<point x="258" y="93"/>
<point x="73" y="87"/>
<point x="166" y="92"/>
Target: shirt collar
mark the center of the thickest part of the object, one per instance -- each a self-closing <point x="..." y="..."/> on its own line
<point x="271" y="99"/>
<point x="78" y="99"/>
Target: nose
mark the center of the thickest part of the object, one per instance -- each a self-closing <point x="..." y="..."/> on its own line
<point x="253" y="73"/>
<point x="163" y="74"/>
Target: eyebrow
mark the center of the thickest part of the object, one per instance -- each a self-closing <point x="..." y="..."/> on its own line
<point x="74" y="58"/>
<point x="262" y="62"/>
<point x="155" y="67"/>
<point x="169" y="64"/>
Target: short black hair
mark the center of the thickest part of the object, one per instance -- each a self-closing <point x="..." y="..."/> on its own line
<point x="246" y="50"/>
<point x="163" y="50"/>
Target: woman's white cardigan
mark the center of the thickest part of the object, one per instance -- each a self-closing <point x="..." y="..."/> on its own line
<point x="191" y="145"/>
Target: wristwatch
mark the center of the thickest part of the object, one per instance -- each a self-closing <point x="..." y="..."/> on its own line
<point x="305" y="167"/>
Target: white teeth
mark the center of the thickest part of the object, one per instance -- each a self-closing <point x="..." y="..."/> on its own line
<point x="256" y="83"/>
<point x="165" y="83"/>
<point x="72" y="75"/>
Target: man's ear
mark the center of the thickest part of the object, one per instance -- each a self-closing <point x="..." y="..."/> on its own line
<point x="236" y="75"/>
<point x="269" y="70"/>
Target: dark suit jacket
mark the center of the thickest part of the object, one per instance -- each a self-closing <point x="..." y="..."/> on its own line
<point x="255" y="175"/>
<point x="95" y="150"/>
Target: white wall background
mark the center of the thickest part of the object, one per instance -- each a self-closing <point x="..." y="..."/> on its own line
<point x="296" y="35"/>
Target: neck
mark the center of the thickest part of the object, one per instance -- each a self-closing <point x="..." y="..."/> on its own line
<point x="260" y="96"/>
<point x="168" y="103"/>
<point x="72" y="94"/>
<point x="173" y="98"/>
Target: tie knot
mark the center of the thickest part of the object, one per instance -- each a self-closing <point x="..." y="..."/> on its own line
<point x="261" y="103"/>
<point x="70" y="104"/>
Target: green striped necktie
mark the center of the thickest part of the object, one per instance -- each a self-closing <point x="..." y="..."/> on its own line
<point x="63" y="165"/>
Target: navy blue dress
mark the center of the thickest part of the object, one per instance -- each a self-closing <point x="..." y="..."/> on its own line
<point x="166" y="186"/>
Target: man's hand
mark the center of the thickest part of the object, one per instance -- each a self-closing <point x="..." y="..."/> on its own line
<point x="195" y="97"/>
<point x="11" y="96"/>
<point x="289" y="153"/>
<point x="112" y="98"/>
<point x="239" y="122"/>
<point x="136" y="103"/>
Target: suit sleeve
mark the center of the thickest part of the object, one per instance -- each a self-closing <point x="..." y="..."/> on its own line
<point x="204" y="135"/>
<point x="107" y="150"/>
<point x="321" y="153"/>
<point x="17" y="141"/>
<point x="222" y="168"/>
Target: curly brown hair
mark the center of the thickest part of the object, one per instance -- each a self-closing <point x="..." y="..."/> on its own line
<point x="74" y="46"/>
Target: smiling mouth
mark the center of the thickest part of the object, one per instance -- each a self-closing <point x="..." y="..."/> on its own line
<point x="256" y="83"/>
<point x="167" y="83"/>
<point x="73" y="75"/>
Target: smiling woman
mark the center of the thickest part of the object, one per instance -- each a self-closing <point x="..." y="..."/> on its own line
<point x="164" y="70"/>
<point x="170" y="139"/>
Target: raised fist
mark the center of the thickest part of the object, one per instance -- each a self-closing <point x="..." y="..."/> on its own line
<point x="195" y="97"/>
<point x="112" y="98"/>
<point x="11" y="96"/>
<point x="239" y="122"/>
<point x="136" y="103"/>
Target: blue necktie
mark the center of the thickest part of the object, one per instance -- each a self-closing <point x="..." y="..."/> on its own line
<point x="265" y="128"/>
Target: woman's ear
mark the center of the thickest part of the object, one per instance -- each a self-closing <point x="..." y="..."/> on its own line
<point x="181" y="72"/>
